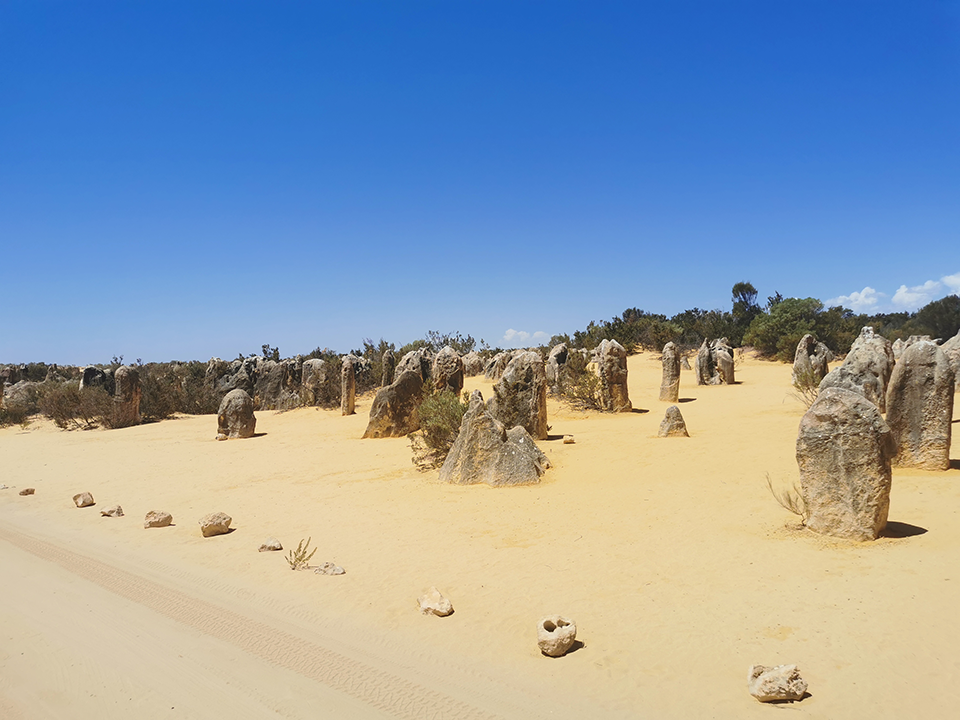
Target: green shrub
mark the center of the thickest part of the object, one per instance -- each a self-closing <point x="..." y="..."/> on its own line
<point x="441" y="414"/>
<point x="71" y="409"/>
<point x="579" y="385"/>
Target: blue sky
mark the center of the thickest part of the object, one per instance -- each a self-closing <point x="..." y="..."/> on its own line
<point x="186" y="179"/>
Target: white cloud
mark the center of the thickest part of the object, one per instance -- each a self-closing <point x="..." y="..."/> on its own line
<point x="864" y="300"/>
<point x="519" y="337"/>
<point x="914" y="297"/>
<point x="952" y="282"/>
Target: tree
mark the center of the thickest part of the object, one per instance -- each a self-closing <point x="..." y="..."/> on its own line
<point x="777" y="333"/>
<point x="745" y="309"/>
<point x="941" y="318"/>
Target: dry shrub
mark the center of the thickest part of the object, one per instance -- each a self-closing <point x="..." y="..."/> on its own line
<point x="807" y="387"/>
<point x="789" y="498"/>
<point x="579" y="385"/>
<point x="71" y="409"/>
<point x="441" y="414"/>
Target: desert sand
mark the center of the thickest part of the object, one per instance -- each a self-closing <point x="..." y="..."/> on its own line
<point x="671" y="555"/>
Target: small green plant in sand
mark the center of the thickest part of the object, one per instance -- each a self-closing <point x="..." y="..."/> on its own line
<point x="807" y="386"/>
<point x="441" y="414"/>
<point x="789" y="498"/>
<point x="579" y="385"/>
<point x="299" y="559"/>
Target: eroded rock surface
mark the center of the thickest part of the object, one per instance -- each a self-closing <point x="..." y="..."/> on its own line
<point x="520" y="396"/>
<point x="394" y="409"/>
<point x="235" y="417"/>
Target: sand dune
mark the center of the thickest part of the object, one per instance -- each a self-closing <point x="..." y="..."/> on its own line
<point x="676" y="563"/>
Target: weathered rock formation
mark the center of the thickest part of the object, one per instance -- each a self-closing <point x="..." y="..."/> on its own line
<point x="612" y="368"/>
<point x="448" y="371"/>
<point x="810" y="362"/>
<point x="871" y="354"/>
<point x="126" y="398"/>
<point x="952" y="350"/>
<point x="714" y="364"/>
<point x="112" y="511"/>
<point x="420" y="361"/>
<point x="862" y="382"/>
<point x="278" y="384"/>
<point x="235" y="417"/>
<point x="556" y="635"/>
<point x="217" y="523"/>
<point x="497" y="364"/>
<point x="920" y="406"/>
<point x="776" y="684"/>
<point x="670" y="382"/>
<point x="270" y="545"/>
<point x="432" y="602"/>
<point x="555" y="362"/>
<point x="157" y="518"/>
<point x="348" y="385"/>
<point x="672" y="424"/>
<point x="394" y="409"/>
<point x="472" y="364"/>
<point x="389" y="364"/>
<point x="315" y="382"/>
<point x="844" y="449"/>
<point x="485" y="452"/>
<point x="520" y="396"/>
<point x="95" y="377"/>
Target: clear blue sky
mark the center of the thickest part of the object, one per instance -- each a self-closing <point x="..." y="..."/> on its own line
<point x="186" y="179"/>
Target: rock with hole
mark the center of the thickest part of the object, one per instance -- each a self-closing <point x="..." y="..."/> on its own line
<point x="556" y="635"/>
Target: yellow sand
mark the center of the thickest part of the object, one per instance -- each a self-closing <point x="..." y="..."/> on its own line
<point x="677" y="565"/>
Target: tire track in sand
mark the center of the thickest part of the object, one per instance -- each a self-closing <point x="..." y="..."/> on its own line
<point x="376" y="688"/>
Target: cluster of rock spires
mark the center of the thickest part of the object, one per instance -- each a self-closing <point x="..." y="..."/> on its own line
<point x="714" y="364"/>
<point x="845" y="448"/>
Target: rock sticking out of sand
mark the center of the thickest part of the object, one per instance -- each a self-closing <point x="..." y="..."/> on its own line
<point x="83" y="499"/>
<point x="776" y="684"/>
<point x="270" y="545"/>
<point x="432" y="602"/>
<point x="568" y="440"/>
<point x="217" y="523"/>
<point x="556" y="635"/>
<point x="329" y="568"/>
<point x="235" y="418"/>
<point x="157" y="518"/>
<point x="112" y="511"/>
<point x="28" y="491"/>
<point x="673" y="424"/>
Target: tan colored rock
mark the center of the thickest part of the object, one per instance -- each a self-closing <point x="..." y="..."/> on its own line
<point x="419" y="361"/>
<point x="485" y="452"/>
<point x="472" y="364"/>
<point x="811" y="362"/>
<point x="217" y="523"/>
<point x="520" y="396"/>
<point x="112" y="511"/>
<point x="920" y="406"/>
<point x="28" y="491"/>
<point x="126" y="398"/>
<point x="568" y="440"/>
<point x="612" y="368"/>
<point x="844" y="449"/>
<point x="84" y="499"/>
<point x="235" y="418"/>
<point x="670" y="383"/>
<point x="389" y="364"/>
<point x="270" y="545"/>
<point x="157" y="519"/>
<point x="432" y="602"/>
<point x="448" y="371"/>
<point x="776" y="684"/>
<point x="394" y="412"/>
<point x="872" y="354"/>
<point x="714" y="364"/>
<point x="556" y="635"/>
<point x="862" y="382"/>
<point x="348" y="385"/>
<point x="329" y="568"/>
<point x="672" y="424"/>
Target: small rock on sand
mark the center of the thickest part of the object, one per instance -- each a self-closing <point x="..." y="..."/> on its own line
<point x="83" y="499"/>
<point x="556" y="635"/>
<point x="217" y="523"/>
<point x="157" y="518"/>
<point x="270" y="544"/>
<point x="28" y="491"/>
<point x="773" y="684"/>
<point x="328" y="568"/>
<point x="432" y="602"/>
<point x="113" y="511"/>
<point x="568" y="440"/>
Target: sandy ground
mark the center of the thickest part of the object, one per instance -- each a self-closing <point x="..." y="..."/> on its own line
<point x="677" y="565"/>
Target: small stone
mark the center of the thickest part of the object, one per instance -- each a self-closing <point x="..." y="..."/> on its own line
<point x="3" y="487"/>
<point x="555" y="635"/>
<point x="773" y="684"/>
<point x="672" y="424"/>
<point x="83" y="499"/>
<point x="217" y="523"/>
<point x="113" y="511"/>
<point x="221" y="436"/>
<point x="433" y="602"/>
<point x="270" y="544"/>
<point x="157" y="518"/>
<point x="28" y="491"/>
<point x="328" y="568"/>
<point x="568" y="440"/>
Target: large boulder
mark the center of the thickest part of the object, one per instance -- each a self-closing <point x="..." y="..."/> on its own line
<point x="394" y="409"/>
<point x="872" y="354"/>
<point x="126" y="398"/>
<point x="860" y="381"/>
<point x="472" y="364"/>
<point x="612" y="368"/>
<point x="714" y="363"/>
<point x="420" y="361"/>
<point x="485" y="452"/>
<point x="670" y="382"/>
<point x="318" y="383"/>
<point x="278" y="384"/>
<point x="672" y="424"/>
<point x="235" y="417"/>
<point x="520" y="396"/>
<point x="497" y="364"/>
<point x="844" y="449"/>
<point x="952" y="350"/>
<point x="555" y="362"/>
<point x="920" y="406"/>
<point x="348" y="385"/>
<point x="448" y="371"/>
<point x="810" y="362"/>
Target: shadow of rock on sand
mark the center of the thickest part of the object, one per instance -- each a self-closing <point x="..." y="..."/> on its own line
<point x="901" y="530"/>
<point x="640" y="411"/>
<point x="685" y="400"/>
